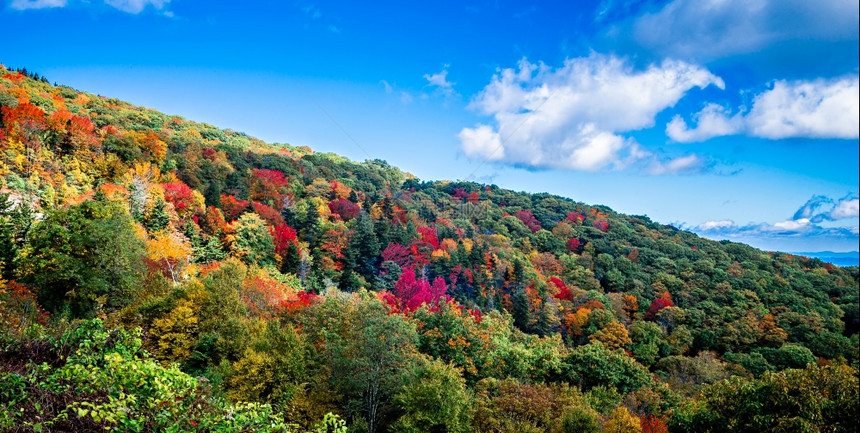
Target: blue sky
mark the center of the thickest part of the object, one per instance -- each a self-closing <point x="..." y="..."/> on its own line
<point x="737" y="119"/>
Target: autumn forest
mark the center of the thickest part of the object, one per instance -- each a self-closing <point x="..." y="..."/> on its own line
<point x="160" y="274"/>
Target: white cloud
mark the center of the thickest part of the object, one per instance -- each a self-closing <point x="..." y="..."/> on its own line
<point x="712" y="121"/>
<point x="805" y="224"/>
<point x="571" y="117"/>
<point x="846" y="208"/>
<point x="440" y="80"/>
<point x="482" y="142"/>
<point x="388" y="87"/>
<point x="709" y="29"/>
<point x="36" y="4"/>
<point x="711" y="225"/>
<point x="681" y="164"/>
<point x="825" y="109"/>
<point x="789" y="226"/>
<point x="130" y="6"/>
<point x="136" y="6"/>
<point x="812" y="109"/>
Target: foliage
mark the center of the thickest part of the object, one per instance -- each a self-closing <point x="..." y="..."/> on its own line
<point x="434" y="398"/>
<point x="307" y="284"/>
<point x="86" y="257"/>
<point x="812" y="399"/>
<point x="101" y="379"/>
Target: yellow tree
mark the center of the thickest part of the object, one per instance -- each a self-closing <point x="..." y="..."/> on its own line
<point x="139" y="180"/>
<point x="175" y="333"/>
<point x="169" y="252"/>
<point x="614" y="336"/>
<point x="620" y="421"/>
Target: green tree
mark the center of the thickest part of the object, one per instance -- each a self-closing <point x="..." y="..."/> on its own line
<point x="87" y="257"/>
<point x="815" y="399"/>
<point x="253" y="243"/>
<point x="223" y="327"/>
<point x="434" y="399"/>
<point x="646" y="341"/>
<point x="369" y="357"/>
<point x="15" y="222"/>
<point x="363" y="251"/>
<point x="594" y="364"/>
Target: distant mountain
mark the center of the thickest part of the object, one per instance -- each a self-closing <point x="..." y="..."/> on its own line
<point x="851" y="258"/>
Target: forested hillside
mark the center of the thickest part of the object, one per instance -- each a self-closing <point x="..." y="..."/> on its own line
<point x="159" y="273"/>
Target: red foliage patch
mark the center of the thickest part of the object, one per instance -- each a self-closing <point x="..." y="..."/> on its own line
<point x="665" y="300"/>
<point x="575" y="217"/>
<point x="232" y="206"/>
<point x="344" y="208"/>
<point x="284" y="237"/>
<point x="180" y="195"/>
<point x="653" y="424"/>
<point x="210" y="153"/>
<point x="564" y="292"/>
<point x="398" y="254"/>
<point x="414" y="292"/>
<point x="303" y="300"/>
<point x="269" y="214"/>
<point x="528" y="219"/>
<point x="428" y="236"/>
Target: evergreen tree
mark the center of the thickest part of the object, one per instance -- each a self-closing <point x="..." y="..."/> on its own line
<point x="363" y="252"/>
<point x="156" y="219"/>
<point x="291" y="260"/>
<point x="522" y="317"/>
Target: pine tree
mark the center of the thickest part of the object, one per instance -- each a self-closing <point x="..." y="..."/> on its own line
<point x="522" y="317"/>
<point x="291" y="260"/>
<point x="156" y="219"/>
<point x="363" y="250"/>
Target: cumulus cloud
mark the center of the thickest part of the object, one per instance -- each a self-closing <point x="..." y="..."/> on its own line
<point x="136" y="6"/>
<point x="791" y="235"/>
<point x="709" y="29"/>
<point x="811" y="109"/>
<point x="36" y="4"/>
<point x="713" y="121"/>
<point x="571" y="117"/>
<point x="789" y="226"/>
<point x="820" y="108"/>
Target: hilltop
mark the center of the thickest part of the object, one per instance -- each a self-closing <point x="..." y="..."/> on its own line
<point x="309" y="284"/>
